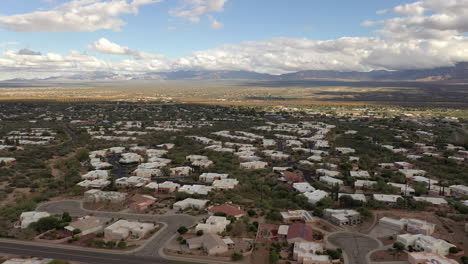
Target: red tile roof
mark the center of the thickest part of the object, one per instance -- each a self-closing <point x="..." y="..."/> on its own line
<point x="292" y="177"/>
<point x="228" y="209"/>
<point x="299" y="230"/>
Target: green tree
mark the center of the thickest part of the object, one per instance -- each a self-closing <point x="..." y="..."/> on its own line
<point x="236" y="256"/>
<point x="182" y="230"/>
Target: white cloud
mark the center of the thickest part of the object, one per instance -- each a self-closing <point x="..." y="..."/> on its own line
<point x="215" y="24"/>
<point x="77" y="15"/>
<point x="105" y="46"/>
<point x="193" y="9"/>
<point x="424" y="34"/>
<point x="428" y="19"/>
<point x="10" y="43"/>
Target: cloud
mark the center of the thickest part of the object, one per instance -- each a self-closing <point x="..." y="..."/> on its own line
<point x="77" y="15"/>
<point x="28" y="52"/>
<point x="193" y="9"/>
<point x="10" y="43"/>
<point x="423" y="34"/>
<point x="429" y="19"/>
<point x="215" y="24"/>
<point x="105" y="46"/>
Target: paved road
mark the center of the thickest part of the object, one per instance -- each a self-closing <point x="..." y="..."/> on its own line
<point x="77" y="255"/>
<point x="355" y="245"/>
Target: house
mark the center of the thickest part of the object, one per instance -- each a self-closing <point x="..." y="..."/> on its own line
<point x="167" y="187"/>
<point x="147" y="173"/>
<point x="403" y="165"/>
<point x="94" y="184"/>
<point x="342" y="217"/>
<point x="424" y="180"/>
<point x="228" y="210"/>
<point x="303" y="187"/>
<point x="214" y="224"/>
<point x="87" y="225"/>
<point x="315" y="196"/>
<point x="459" y="191"/>
<point x="359" y="174"/>
<point x="355" y="196"/>
<point x="329" y="173"/>
<point x="7" y="161"/>
<point x="360" y="184"/>
<point x="253" y="165"/>
<point x="299" y="232"/>
<point x="298" y="216"/>
<point x="391" y="223"/>
<point x="140" y="203"/>
<point x="124" y="229"/>
<point x="387" y="198"/>
<point x="98" y="196"/>
<point x="195" y="189"/>
<point x="210" y="243"/>
<point x="181" y="171"/>
<point x="330" y="181"/>
<point x="96" y="174"/>
<point x="410" y="173"/>
<point x="132" y="181"/>
<point x="425" y="243"/>
<point x="411" y="225"/>
<point x="192" y="158"/>
<point x="129" y="158"/>
<point x="190" y="203"/>
<point x="225" y="184"/>
<point x="310" y="253"/>
<point x="211" y="177"/>
<point x="292" y="177"/>
<point x="432" y="200"/>
<point x="404" y="188"/>
<point x="202" y="163"/>
<point x="27" y="218"/>
<point x="428" y="258"/>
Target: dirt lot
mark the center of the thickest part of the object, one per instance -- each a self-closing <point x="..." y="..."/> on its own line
<point x="388" y="255"/>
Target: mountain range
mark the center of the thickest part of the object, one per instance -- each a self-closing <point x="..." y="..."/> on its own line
<point x="459" y="72"/>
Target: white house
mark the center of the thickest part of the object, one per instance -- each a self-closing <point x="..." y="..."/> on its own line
<point x="214" y="224"/>
<point x="303" y="187"/>
<point x="330" y="181"/>
<point x="190" y="203"/>
<point x="253" y="165"/>
<point x="27" y="218"/>
<point x="124" y="229"/>
<point x="195" y="189"/>
<point x="425" y="243"/>
<point x="211" y="177"/>
<point x="315" y="196"/>
<point x="225" y="184"/>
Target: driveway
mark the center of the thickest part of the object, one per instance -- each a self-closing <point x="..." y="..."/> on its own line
<point x="356" y="246"/>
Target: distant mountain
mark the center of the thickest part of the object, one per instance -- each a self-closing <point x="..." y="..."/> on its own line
<point x="458" y="72"/>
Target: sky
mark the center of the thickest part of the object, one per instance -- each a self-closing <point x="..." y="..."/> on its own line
<point x="43" y="38"/>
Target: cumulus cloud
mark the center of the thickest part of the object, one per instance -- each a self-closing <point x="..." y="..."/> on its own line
<point x="105" y="46"/>
<point x="423" y="34"/>
<point x="193" y="9"/>
<point x="77" y="15"/>
<point x="429" y="19"/>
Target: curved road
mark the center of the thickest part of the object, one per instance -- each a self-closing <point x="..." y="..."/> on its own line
<point x="356" y="246"/>
<point x="151" y="252"/>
